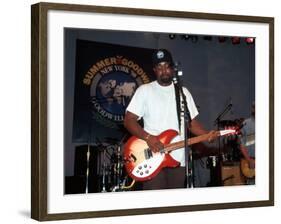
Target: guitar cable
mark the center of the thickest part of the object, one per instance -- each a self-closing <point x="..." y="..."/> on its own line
<point x="130" y="186"/>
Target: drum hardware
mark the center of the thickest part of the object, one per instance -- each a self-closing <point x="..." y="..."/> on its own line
<point x="122" y="179"/>
<point x="119" y="176"/>
<point x="117" y="166"/>
<point x="214" y="160"/>
<point x="88" y="158"/>
<point x="103" y="173"/>
<point x="102" y="167"/>
<point x="87" y="170"/>
<point x="113" y="174"/>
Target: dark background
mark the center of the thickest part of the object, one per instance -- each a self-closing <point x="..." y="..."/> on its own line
<point x="215" y="73"/>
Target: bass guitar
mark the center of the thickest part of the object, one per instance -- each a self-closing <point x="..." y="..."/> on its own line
<point x="143" y="164"/>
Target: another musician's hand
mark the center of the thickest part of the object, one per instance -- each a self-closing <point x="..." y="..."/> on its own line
<point x="212" y="136"/>
<point x="252" y="163"/>
<point x="154" y="144"/>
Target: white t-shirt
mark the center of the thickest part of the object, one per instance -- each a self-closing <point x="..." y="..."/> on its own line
<point x="156" y="104"/>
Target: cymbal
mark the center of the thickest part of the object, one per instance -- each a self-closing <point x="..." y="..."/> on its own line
<point x="236" y="122"/>
<point x="224" y="123"/>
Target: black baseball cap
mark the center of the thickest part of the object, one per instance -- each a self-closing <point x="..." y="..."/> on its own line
<point x="161" y="55"/>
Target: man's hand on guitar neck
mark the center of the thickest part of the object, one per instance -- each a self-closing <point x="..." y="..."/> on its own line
<point x="252" y="163"/>
<point x="213" y="135"/>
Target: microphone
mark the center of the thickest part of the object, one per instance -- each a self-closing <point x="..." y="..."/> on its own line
<point x="177" y="72"/>
<point x="177" y="69"/>
<point x="230" y="101"/>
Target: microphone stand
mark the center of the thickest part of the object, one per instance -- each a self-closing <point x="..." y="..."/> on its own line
<point x="217" y="180"/>
<point x="218" y="119"/>
<point x="187" y="120"/>
<point x="226" y="109"/>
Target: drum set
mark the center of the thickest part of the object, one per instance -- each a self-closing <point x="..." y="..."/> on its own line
<point x="110" y="174"/>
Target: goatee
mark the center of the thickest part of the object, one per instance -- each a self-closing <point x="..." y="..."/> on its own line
<point x="166" y="79"/>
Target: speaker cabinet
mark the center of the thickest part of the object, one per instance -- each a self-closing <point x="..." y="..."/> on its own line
<point x="231" y="174"/>
<point x="81" y="163"/>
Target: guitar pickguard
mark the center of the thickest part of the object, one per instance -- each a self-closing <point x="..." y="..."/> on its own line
<point x="149" y="166"/>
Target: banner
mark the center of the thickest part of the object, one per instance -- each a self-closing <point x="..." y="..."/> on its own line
<point x="106" y="78"/>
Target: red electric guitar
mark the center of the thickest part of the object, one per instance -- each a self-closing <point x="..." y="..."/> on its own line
<point x="143" y="164"/>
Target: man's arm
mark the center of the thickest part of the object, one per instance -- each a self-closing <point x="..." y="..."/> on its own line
<point x="245" y="154"/>
<point x="132" y="125"/>
<point x="197" y="129"/>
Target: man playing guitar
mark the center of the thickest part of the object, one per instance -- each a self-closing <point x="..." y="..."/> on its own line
<point x="155" y="102"/>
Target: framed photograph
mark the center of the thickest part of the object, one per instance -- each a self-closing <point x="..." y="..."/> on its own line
<point x="87" y="65"/>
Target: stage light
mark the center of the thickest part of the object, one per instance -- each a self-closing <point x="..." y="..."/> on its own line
<point x="249" y="40"/>
<point x="185" y="36"/>
<point x="222" y="39"/>
<point x="235" y="40"/>
<point x="194" y="39"/>
<point x="172" y="36"/>
<point x="209" y="38"/>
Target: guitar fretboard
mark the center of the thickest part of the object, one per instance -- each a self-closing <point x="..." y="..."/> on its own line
<point x="197" y="139"/>
<point x="191" y="141"/>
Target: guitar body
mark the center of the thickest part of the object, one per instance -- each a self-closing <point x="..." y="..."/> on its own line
<point x="247" y="171"/>
<point x="141" y="163"/>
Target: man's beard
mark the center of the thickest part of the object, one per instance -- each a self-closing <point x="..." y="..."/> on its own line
<point x="166" y="79"/>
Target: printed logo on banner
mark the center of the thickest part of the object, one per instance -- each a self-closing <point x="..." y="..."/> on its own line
<point x="113" y="82"/>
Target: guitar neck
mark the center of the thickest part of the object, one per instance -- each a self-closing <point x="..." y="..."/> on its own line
<point x="190" y="141"/>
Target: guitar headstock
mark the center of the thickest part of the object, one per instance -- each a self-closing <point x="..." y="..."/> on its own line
<point x="231" y="125"/>
<point x="229" y="131"/>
